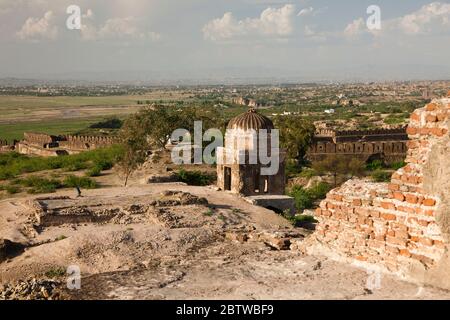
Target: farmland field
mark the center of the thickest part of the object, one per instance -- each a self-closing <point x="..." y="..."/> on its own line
<point x="63" y="115"/>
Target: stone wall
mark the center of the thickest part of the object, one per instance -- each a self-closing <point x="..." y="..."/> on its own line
<point x="384" y="144"/>
<point x="39" y="139"/>
<point x="47" y="145"/>
<point x="402" y="226"/>
<point x="71" y="142"/>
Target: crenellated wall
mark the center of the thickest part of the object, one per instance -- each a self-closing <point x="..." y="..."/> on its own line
<point x="402" y="226"/>
<point x="386" y="144"/>
<point x="48" y="145"/>
<point x="85" y="142"/>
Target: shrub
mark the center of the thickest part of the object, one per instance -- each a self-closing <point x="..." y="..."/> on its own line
<point x="308" y="173"/>
<point x="81" y="182"/>
<point x="12" y="189"/>
<point x="375" y="165"/>
<point x="305" y="198"/>
<point x="55" y="272"/>
<point x="94" y="172"/>
<point x="301" y="197"/>
<point x="398" y="165"/>
<point x="194" y="178"/>
<point x="40" y="185"/>
<point x="381" y="176"/>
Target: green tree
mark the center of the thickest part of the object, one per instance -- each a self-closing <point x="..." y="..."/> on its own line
<point x="339" y="164"/>
<point x="295" y="136"/>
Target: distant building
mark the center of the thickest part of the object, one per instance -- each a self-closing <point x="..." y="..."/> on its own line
<point x="247" y="102"/>
<point x="388" y="145"/>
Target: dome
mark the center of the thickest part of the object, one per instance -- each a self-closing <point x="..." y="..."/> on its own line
<point x="250" y="120"/>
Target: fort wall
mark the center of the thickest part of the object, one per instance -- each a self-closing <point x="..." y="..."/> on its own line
<point x="48" y="145"/>
<point x="389" y="145"/>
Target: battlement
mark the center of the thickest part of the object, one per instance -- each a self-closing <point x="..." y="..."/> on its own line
<point x="44" y="144"/>
<point x="387" y="144"/>
<point x="40" y="138"/>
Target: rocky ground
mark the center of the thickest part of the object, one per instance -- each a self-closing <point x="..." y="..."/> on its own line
<point x="170" y="241"/>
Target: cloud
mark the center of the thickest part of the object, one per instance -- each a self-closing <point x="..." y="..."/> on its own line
<point x="127" y="28"/>
<point x="355" y="28"/>
<point x="272" y="22"/>
<point x="305" y="12"/>
<point x="36" y="29"/>
<point x="428" y="19"/>
<point x="432" y="18"/>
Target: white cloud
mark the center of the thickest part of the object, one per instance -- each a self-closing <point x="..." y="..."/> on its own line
<point x="433" y="18"/>
<point x="355" y="28"/>
<point x="36" y="29"/>
<point x="127" y="28"/>
<point x="305" y="12"/>
<point x="272" y="22"/>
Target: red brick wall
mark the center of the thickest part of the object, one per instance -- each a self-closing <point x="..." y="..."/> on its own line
<point x="390" y="224"/>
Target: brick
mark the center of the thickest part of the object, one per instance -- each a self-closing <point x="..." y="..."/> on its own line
<point x="439" y="244"/>
<point x="410" y="198"/>
<point x="426" y="241"/>
<point x="429" y="202"/>
<point x="399" y="196"/>
<point x="423" y="259"/>
<point x="361" y="258"/>
<point x="388" y="216"/>
<point x="401" y="235"/>
<point x="411" y="131"/>
<point x="431" y="107"/>
<point x="412" y="144"/>
<point x="424" y="131"/>
<point x="423" y="223"/>
<point x="430" y="118"/>
<point x="415" y="116"/>
<point x="405" y="253"/>
<point x="393" y="187"/>
<point x="395" y="241"/>
<point x="437" y="132"/>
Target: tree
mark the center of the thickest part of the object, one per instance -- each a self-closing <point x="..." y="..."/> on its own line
<point x="295" y="136"/>
<point x="151" y="128"/>
<point x="339" y="164"/>
<point x="135" y="146"/>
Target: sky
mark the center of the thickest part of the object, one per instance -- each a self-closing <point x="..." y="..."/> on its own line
<point x="215" y="40"/>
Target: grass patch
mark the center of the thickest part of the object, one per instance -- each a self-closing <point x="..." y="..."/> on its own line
<point x="208" y="213"/>
<point x="40" y="184"/>
<point x="12" y="189"/>
<point x="13" y="164"/>
<point x="55" y="272"/>
<point x="81" y="182"/>
<point x="381" y="176"/>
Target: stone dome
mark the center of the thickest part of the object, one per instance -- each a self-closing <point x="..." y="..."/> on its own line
<point x="250" y="120"/>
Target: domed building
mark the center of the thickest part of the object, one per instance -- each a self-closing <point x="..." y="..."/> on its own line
<point x="240" y="165"/>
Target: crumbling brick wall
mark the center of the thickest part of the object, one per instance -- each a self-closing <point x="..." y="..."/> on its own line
<point x="401" y="226"/>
